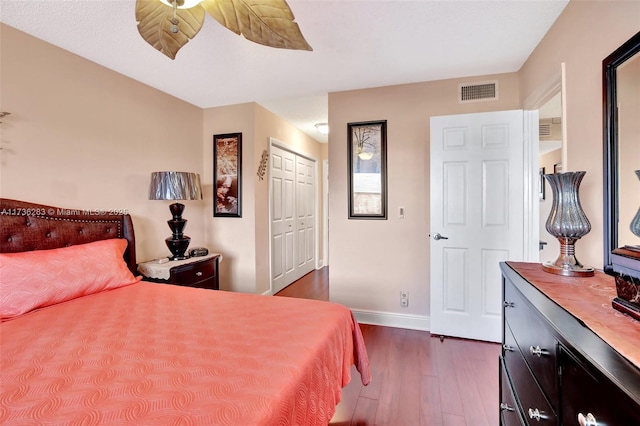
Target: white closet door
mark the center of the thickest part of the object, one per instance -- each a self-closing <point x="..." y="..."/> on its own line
<point x="283" y="218"/>
<point x="293" y="231"/>
<point x="305" y="215"/>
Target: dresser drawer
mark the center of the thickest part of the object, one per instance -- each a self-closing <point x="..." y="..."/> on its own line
<point x="585" y="392"/>
<point x="509" y="412"/>
<point x="194" y="273"/>
<point x="534" y="405"/>
<point x="534" y="339"/>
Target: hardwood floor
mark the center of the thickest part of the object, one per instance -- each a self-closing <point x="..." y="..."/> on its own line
<point x="416" y="378"/>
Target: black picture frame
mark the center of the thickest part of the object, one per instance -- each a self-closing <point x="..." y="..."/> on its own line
<point x="227" y="175"/>
<point x="541" y="189"/>
<point x="367" y="165"/>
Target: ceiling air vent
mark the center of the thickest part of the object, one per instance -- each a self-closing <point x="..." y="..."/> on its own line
<point x="478" y="92"/>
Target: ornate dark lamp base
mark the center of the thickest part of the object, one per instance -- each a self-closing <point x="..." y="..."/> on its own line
<point x="178" y="242"/>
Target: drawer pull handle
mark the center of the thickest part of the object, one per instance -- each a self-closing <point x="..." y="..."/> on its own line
<point x="508" y="304"/>
<point x="534" y="413"/>
<point x="588" y="420"/>
<point x="505" y="407"/>
<point x="508" y="348"/>
<point x="199" y="274"/>
<point x="537" y="351"/>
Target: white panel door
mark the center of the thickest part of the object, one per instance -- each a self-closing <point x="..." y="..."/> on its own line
<point x="305" y="215"/>
<point x="283" y="218"/>
<point x="477" y="199"/>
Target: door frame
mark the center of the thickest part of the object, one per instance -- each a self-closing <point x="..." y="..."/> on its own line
<point x="281" y="145"/>
<point x="325" y="215"/>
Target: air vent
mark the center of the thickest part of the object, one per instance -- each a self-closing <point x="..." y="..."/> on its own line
<point x="478" y="92"/>
<point x="550" y="128"/>
<point x="545" y="130"/>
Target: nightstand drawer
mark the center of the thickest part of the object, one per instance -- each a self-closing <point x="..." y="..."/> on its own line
<point x="194" y="273"/>
<point x="201" y="272"/>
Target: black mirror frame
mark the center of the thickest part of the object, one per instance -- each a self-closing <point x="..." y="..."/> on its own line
<point x="383" y="169"/>
<point x="610" y="158"/>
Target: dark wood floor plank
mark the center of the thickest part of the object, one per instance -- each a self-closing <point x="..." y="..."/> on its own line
<point x="455" y="420"/>
<point x="416" y="378"/>
<point x="447" y="378"/>
<point x="467" y="382"/>
<point x="365" y="412"/>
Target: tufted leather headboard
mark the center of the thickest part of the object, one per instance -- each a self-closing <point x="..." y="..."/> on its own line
<point x="27" y="226"/>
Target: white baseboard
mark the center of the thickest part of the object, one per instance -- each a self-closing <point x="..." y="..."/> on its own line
<point x="391" y="319"/>
<point x="267" y="293"/>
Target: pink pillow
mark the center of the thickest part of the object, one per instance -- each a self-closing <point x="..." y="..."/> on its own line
<point x="34" y="279"/>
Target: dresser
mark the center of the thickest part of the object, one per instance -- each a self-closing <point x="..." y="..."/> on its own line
<point x="568" y="358"/>
<point x="200" y="272"/>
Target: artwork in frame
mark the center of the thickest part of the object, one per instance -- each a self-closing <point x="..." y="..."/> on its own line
<point x="367" y="157"/>
<point x="227" y="175"/>
<point x="542" y="184"/>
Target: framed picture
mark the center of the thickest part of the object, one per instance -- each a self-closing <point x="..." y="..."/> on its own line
<point x="557" y="168"/>
<point x="367" y="156"/>
<point x="542" y="184"/>
<point x="227" y="175"/>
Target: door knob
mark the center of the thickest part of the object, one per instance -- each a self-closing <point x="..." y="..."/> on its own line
<point x="437" y="237"/>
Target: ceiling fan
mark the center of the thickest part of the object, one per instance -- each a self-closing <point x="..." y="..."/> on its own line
<point x="167" y="25"/>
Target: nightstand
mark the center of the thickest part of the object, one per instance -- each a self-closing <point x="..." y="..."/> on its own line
<point x="201" y="272"/>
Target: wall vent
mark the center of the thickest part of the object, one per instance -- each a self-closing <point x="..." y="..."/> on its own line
<point x="550" y="129"/>
<point x="478" y="92"/>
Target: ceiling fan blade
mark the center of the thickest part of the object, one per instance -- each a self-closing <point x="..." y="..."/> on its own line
<point x="154" y="25"/>
<point x="267" y="22"/>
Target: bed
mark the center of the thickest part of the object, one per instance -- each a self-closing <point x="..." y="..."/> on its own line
<point x="84" y="341"/>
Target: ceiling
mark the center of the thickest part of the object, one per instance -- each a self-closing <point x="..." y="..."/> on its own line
<point x="356" y="44"/>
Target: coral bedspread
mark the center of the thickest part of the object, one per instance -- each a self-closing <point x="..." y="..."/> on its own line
<point x="162" y="354"/>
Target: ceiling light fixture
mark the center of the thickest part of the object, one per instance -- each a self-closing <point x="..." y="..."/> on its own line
<point x="167" y="25"/>
<point x="322" y="128"/>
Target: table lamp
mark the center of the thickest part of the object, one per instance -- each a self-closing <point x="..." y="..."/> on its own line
<point x="176" y="186"/>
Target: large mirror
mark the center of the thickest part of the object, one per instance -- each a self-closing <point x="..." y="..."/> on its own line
<point x="621" y="84"/>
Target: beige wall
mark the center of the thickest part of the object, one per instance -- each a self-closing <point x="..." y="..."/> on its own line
<point x="245" y="241"/>
<point x="585" y="33"/>
<point x="371" y="261"/>
<point x="81" y="136"/>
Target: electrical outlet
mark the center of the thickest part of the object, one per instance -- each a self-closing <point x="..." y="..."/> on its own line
<point x="404" y="299"/>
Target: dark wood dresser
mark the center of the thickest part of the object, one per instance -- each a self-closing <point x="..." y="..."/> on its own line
<point x="568" y="358"/>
